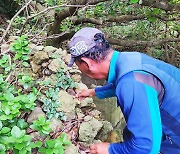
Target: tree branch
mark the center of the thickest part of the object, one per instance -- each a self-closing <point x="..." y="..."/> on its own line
<point x="125" y="18"/>
<point x="130" y="43"/>
<point x="87" y="20"/>
<point x="6" y="31"/>
<point x="162" y="4"/>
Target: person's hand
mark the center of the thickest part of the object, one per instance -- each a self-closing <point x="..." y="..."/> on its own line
<point x="85" y="93"/>
<point x="100" y="148"/>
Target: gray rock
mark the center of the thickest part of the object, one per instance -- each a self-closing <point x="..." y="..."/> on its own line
<point x="67" y="104"/>
<point x="76" y="77"/>
<point x="54" y="65"/>
<point x="71" y="149"/>
<point x="87" y="102"/>
<point x="35" y="114"/>
<point x="4" y="47"/>
<point x="35" y="67"/>
<point x="105" y="131"/>
<point x="51" y="80"/>
<point x="40" y="57"/>
<point x="49" y="49"/>
<point x="89" y="129"/>
<point x="56" y="125"/>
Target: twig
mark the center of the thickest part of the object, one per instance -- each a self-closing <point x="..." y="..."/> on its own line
<point x="6" y="31"/>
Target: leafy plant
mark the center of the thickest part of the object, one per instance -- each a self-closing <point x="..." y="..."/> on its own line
<point x="25" y="80"/>
<point x="51" y="104"/>
<point x="64" y="80"/>
<point x="5" y="63"/>
<point x="56" y="146"/>
<point x="20" y="47"/>
<point x="41" y="125"/>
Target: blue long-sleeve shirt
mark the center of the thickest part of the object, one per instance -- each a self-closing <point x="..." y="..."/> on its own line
<point x="139" y="95"/>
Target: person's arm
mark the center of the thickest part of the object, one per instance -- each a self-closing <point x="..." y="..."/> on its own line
<point x="105" y="91"/>
<point x="101" y="92"/>
<point x="139" y="104"/>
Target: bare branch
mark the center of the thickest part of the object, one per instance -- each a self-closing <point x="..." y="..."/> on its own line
<point x="125" y="18"/>
<point x="6" y="31"/>
<point x="76" y="21"/>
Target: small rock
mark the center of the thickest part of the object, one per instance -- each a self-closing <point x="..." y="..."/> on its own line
<point x="76" y="77"/>
<point x="71" y="149"/>
<point x="67" y="58"/>
<point x="105" y="131"/>
<point x="81" y="86"/>
<point x="35" y="114"/>
<point x="95" y="113"/>
<point x="35" y="67"/>
<point x="67" y="104"/>
<point x="4" y="47"/>
<point x="87" y="102"/>
<point x="54" y="65"/>
<point x="44" y="65"/>
<point x="40" y="57"/>
<point x="56" y="124"/>
<point x="39" y="48"/>
<point x="88" y="130"/>
<point x="49" y="49"/>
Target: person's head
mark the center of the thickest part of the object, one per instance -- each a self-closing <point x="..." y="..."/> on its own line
<point x="89" y="50"/>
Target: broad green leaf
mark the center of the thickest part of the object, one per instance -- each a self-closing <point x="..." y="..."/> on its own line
<point x="2" y="148"/>
<point x="36" y="144"/>
<point x="22" y="124"/>
<point x="42" y="149"/>
<point x="17" y="46"/>
<point x="50" y="143"/>
<point x="16" y="132"/>
<point x="9" y="96"/>
<point x="25" y="43"/>
<point x="133" y="1"/>
<point x="25" y="64"/>
<point x="5" y="130"/>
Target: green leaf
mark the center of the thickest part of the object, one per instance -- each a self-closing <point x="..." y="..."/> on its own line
<point x="25" y="43"/>
<point x="5" y="130"/>
<point x="134" y="1"/>
<point x="50" y="143"/>
<point x="24" y="58"/>
<point x="42" y="149"/>
<point x="2" y="148"/>
<point x="9" y="96"/>
<point x="1" y="125"/>
<point x="22" y="124"/>
<point x="17" y="46"/>
<point x="16" y="132"/>
<point x="36" y="144"/>
<point x="25" y="64"/>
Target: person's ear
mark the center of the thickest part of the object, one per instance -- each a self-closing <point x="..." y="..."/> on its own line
<point x="88" y="62"/>
<point x="92" y="65"/>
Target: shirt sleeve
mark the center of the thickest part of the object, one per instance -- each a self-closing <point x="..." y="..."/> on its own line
<point x="105" y="91"/>
<point x="139" y="104"/>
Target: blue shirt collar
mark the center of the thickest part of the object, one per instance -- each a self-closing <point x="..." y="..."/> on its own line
<point x="112" y="72"/>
